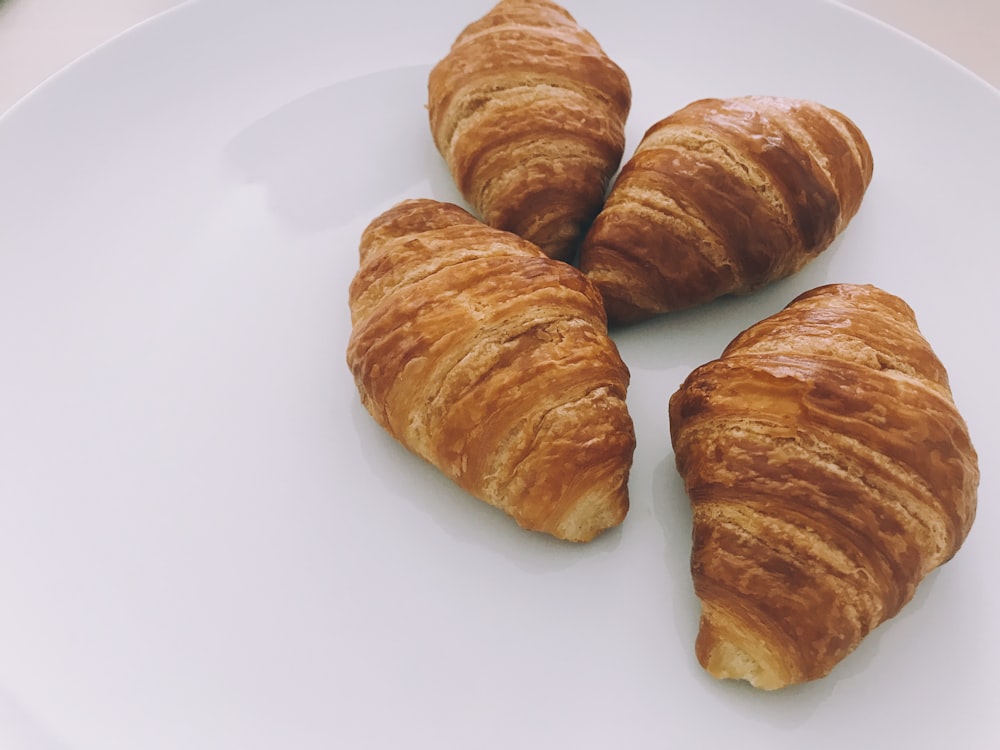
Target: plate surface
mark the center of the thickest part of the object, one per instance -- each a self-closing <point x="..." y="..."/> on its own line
<point x="206" y="541"/>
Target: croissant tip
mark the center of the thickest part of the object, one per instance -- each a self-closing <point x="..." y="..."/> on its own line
<point x="725" y="656"/>
<point x="590" y="519"/>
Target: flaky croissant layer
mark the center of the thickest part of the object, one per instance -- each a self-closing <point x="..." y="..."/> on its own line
<point x="723" y="197"/>
<point x="492" y="362"/>
<point x="829" y="471"/>
<point x="529" y="113"/>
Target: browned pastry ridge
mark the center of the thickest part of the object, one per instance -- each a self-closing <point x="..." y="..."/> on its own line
<point x="529" y="113"/>
<point x="492" y="362"/>
<point x="828" y="471"/>
<point x="723" y="197"/>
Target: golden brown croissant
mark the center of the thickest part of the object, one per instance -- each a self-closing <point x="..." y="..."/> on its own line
<point x="492" y="362"/>
<point x="529" y="113"/>
<point x="723" y="197"/>
<point x="828" y="471"/>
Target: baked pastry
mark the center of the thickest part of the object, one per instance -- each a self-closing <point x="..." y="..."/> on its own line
<point x="829" y="471"/>
<point x="723" y="197"/>
<point x="492" y="362"/>
<point x="529" y="113"/>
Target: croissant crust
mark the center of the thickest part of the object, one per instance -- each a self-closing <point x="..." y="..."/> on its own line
<point x="829" y="471"/>
<point x="529" y="113"/>
<point x="492" y="362"/>
<point x="723" y="197"/>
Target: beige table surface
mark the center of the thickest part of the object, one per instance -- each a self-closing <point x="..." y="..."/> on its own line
<point x="39" y="37"/>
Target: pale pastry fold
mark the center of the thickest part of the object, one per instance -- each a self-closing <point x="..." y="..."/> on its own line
<point x="492" y="361"/>
<point x="723" y="197"/>
<point x="529" y="113"/>
<point x="829" y="471"/>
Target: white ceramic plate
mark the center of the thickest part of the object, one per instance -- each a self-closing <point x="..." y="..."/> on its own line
<point x="205" y="540"/>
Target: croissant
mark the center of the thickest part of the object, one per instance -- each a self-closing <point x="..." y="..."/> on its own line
<point x="829" y="472"/>
<point x="529" y="113"/>
<point x="492" y="362"/>
<point x="723" y="197"/>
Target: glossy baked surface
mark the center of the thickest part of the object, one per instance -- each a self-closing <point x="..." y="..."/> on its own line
<point x="493" y="362"/>
<point x="829" y="472"/>
<point x="722" y="197"/>
<point x="529" y="112"/>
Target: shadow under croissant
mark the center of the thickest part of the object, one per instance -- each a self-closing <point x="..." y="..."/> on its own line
<point x="382" y="150"/>
<point x="459" y="514"/>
